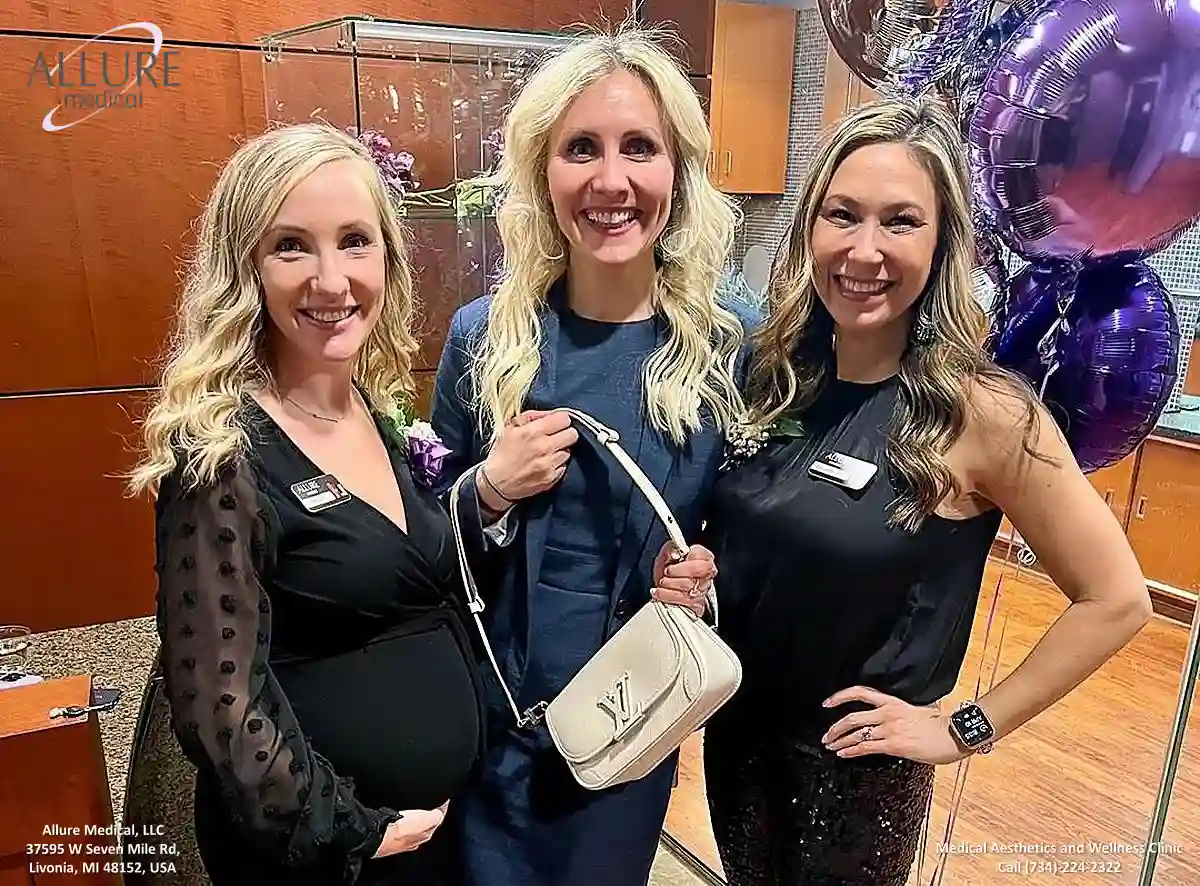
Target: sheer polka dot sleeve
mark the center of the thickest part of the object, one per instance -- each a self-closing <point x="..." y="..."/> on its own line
<point x="229" y="714"/>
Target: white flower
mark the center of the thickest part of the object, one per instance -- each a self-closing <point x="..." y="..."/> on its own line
<point x="422" y="430"/>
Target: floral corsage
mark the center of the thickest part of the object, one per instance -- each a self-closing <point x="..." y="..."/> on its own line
<point x="745" y="438"/>
<point x="425" y="450"/>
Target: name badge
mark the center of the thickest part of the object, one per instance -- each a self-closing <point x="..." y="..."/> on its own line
<point x="843" y="470"/>
<point x="320" y="493"/>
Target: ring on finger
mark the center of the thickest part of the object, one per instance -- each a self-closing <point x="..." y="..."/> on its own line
<point x="695" y="590"/>
<point x="867" y="732"/>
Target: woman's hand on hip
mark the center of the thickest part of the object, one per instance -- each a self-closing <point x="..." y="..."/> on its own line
<point x="529" y="457"/>
<point x="684" y="579"/>
<point x="891" y="726"/>
<point x="412" y="831"/>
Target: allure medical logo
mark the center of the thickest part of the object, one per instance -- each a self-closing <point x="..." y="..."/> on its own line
<point x="98" y="75"/>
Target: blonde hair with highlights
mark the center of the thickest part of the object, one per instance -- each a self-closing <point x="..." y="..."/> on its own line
<point x="695" y="365"/>
<point x="794" y="350"/>
<point x="216" y="353"/>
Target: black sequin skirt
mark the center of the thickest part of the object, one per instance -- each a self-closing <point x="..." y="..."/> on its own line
<point x="787" y="813"/>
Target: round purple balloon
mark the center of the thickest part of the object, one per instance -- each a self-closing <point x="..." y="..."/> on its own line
<point x="1085" y="140"/>
<point x="1117" y="363"/>
<point x="904" y="43"/>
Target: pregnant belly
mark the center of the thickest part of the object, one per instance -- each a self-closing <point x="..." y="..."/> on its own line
<point x="400" y="717"/>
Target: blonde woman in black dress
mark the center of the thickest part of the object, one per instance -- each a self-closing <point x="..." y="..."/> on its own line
<point x="315" y="660"/>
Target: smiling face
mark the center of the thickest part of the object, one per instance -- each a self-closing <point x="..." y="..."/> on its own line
<point x="610" y="172"/>
<point x="322" y="263"/>
<point x="874" y="237"/>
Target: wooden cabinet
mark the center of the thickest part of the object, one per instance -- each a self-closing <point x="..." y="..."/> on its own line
<point x="1164" y="515"/>
<point x="53" y="787"/>
<point x="1115" y="485"/>
<point x="1191" y="383"/>
<point x="844" y="91"/>
<point x="1155" y="495"/>
<point x="754" y="50"/>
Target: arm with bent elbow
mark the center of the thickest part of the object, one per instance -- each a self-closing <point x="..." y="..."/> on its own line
<point x="1085" y="552"/>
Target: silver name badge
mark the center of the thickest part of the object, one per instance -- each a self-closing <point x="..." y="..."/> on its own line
<point x="843" y="470"/>
<point x="320" y="493"/>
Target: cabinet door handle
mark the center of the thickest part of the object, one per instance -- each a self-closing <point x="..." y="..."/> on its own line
<point x="711" y="163"/>
<point x="1108" y="497"/>
<point x="1140" y="510"/>
<point x="728" y="162"/>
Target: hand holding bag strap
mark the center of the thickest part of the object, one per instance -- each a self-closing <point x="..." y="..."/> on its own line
<point x="475" y="605"/>
<point x="607" y="437"/>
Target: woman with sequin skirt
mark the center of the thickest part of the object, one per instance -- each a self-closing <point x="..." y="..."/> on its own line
<point x="852" y="530"/>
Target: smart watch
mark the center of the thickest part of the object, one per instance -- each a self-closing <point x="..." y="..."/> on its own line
<point x="972" y="729"/>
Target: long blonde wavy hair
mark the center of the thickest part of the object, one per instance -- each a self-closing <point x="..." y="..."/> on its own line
<point x="794" y="349"/>
<point x="216" y="352"/>
<point x="694" y="366"/>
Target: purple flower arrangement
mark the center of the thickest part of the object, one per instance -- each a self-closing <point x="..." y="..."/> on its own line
<point x="425" y="450"/>
<point x="469" y="198"/>
<point x="395" y="168"/>
<point x="495" y="144"/>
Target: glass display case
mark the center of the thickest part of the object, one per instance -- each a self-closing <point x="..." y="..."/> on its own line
<point x="438" y="94"/>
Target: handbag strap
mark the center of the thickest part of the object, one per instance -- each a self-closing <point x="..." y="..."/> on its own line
<point x="609" y="439"/>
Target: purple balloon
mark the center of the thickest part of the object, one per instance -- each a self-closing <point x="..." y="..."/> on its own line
<point x="989" y="260"/>
<point x="1085" y="141"/>
<point x="881" y="41"/>
<point x="932" y="58"/>
<point x="966" y="82"/>
<point x="1118" y="360"/>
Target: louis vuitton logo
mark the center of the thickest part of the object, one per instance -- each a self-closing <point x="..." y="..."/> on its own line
<point x="618" y="703"/>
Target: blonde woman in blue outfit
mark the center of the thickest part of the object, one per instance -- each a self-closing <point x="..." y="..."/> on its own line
<point x="614" y="241"/>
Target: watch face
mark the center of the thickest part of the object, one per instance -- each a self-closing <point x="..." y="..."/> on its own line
<point x="972" y="726"/>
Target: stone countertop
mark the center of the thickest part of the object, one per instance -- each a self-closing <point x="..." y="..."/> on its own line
<point x="1183" y="435"/>
<point x="1183" y="423"/>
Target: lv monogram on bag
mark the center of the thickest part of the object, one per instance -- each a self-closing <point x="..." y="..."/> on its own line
<point x="651" y="685"/>
<point x="620" y="706"/>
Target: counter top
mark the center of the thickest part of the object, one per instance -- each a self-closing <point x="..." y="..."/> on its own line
<point x="1175" y="435"/>
<point x="1183" y="424"/>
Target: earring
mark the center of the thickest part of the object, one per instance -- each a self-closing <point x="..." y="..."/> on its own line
<point x="923" y="329"/>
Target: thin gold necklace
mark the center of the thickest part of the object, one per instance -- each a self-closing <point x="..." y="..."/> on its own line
<point x="332" y="419"/>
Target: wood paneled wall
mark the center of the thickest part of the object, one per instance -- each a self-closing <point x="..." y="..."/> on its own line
<point x="244" y="24"/>
<point x="94" y="224"/>
<point x="693" y="21"/>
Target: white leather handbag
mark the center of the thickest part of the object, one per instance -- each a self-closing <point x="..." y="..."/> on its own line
<point x="655" y="682"/>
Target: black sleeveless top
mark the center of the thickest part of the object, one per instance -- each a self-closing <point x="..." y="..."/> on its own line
<point x="817" y="592"/>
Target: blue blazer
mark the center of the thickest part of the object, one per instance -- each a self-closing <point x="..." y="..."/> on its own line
<point x="684" y="476"/>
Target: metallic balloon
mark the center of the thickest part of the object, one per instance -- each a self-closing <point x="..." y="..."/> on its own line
<point x="988" y="257"/>
<point x="1117" y="361"/>
<point x="904" y="43"/>
<point x="1085" y="141"/>
<point x="967" y="80"/>
<point x="989" y="262"/>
